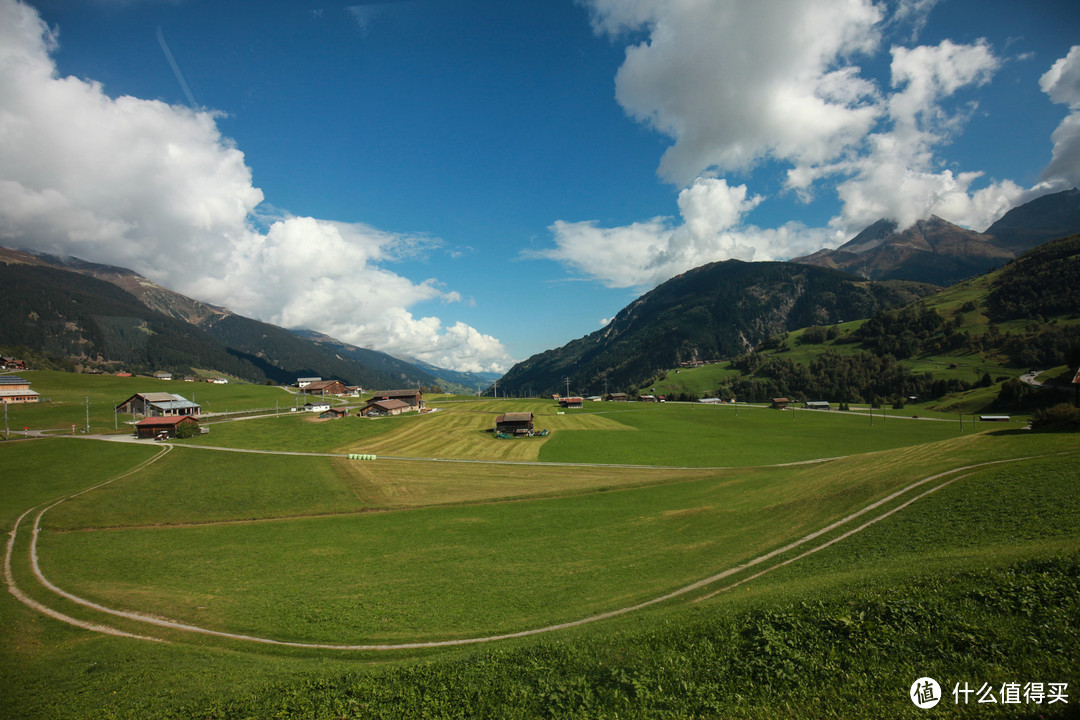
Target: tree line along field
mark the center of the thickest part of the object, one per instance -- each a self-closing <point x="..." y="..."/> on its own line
<point x="618" y="507"/>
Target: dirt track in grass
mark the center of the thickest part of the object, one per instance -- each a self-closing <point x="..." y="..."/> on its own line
<point x="943" y="477"/>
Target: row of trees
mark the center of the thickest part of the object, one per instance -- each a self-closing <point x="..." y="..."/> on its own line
<point x="860" y="377"/>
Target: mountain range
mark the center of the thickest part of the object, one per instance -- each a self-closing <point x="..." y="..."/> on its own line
<point x="721" y="310"/>
<point x="113" y="318"/>
<point x="936" y="251"/>
<point x="714" y="311"/>
<point x="110" y="317"/>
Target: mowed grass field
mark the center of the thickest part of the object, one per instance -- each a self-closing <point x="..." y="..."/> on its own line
<point x="505" y="538"/>
<point x="669" y="434"/>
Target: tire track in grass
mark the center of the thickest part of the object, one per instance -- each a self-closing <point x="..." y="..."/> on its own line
<point x="177" y="626"/>
<point x="9" y="577"/>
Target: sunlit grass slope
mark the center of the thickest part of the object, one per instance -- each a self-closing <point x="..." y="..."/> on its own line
<point x="977" y="582"/>
<point x="444" y="572"/>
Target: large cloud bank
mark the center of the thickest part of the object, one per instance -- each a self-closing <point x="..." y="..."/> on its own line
<point x="157" y="188"/>
<point x="1062" y="83"/>
<point x="738" y="85"/>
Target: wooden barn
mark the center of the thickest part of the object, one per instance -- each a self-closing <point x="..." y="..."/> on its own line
<point x="325" y="387"/>
<point x="14" y="389"/>
<point x="332" y="414"/>
<point x="780" y="403"/>
<point x="384" y="408"/>
<point x="413" y="398"/>
<point x="518" y="423"/>
<point x="158" y="404"/>
<point x="152" y="427"/>
<point x="570" y="402"/>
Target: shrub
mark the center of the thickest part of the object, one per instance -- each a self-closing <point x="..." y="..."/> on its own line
<point x="187" y="430"/>
<point x="1059" y="418"/>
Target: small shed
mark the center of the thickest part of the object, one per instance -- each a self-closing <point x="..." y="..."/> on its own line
<point x="568" y="402"/>
<point x="780" y="403"/>
<point x="618" y="397"/>
<point x="517" y="423"/>
<point x="995" y="418"/>
<point x="817" y="405"/>
<point x="305" y="381"/>
<point x="332" y="414"/>
<point x="151" y="427"/>
<point x="317" y="406"/>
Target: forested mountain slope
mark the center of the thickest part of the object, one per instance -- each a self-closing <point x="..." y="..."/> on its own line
<point x="712" y="312"/>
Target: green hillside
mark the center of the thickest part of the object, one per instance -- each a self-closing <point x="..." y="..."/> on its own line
<point x="75" y="318"/>
<point x="71" y="315"/>
<point x="713" y="312"/>
<point x="964" y="347"/>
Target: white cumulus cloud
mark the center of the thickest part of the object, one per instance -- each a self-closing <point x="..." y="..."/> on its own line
<point x="734" y="82"/>
<point x="737" y="85"/>
<point x="157" y="188"/>
<point x="1062" y="83"/>
<point x="710" y="228"/>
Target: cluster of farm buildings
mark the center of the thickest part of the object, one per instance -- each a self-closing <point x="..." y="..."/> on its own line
<point x="168" y="414"/>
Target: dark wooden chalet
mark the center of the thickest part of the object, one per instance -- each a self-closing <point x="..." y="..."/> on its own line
<point x="518" y="423"/>
<point x="325" y="387"/>
<point x="413" y="398"/>
<point x="153" y="426"/>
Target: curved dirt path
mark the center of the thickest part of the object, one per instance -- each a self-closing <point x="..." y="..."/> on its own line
<point x="9" y="578"/>
<point x="177" y="626"/>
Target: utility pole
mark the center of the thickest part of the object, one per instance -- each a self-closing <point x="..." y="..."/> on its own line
<point x="88" y="414"/>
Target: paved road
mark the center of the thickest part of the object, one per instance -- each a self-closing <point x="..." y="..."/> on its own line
<point x="1028" y="378"/>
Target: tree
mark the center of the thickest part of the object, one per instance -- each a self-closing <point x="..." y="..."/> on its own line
<point x="187" y="430"/>
<point x="1059" y="418"/>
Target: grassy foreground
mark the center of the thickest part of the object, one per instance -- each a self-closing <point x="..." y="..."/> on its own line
<point x="977" y="582"/>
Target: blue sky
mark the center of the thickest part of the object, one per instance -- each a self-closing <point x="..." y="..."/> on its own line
<point x="473" y="181"/>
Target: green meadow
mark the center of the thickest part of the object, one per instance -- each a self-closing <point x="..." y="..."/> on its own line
<point x="69" y="398"/>
<point x="710" y="554"/>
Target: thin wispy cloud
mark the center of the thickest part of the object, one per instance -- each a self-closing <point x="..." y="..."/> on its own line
<point x="175" y="68"/>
